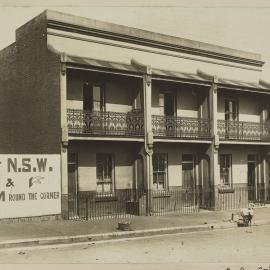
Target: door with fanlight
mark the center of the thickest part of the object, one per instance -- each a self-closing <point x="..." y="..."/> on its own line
<point x="94" y="108"/>
<point x="252" y="178"/>
<point x="231" y="118"/>
<point x="206" y="189"/>
<point x="167" y="107"/>
<point x="72" y="185"/>
<point x="188" y="179"/>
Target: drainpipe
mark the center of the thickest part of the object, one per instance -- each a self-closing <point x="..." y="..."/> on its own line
<point x="148" y="133"/>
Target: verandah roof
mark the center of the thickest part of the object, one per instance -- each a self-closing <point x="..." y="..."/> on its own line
<point x="74" y="61"/>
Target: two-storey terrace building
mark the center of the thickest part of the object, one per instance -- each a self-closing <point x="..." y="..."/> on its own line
<point x="142" y="123"/>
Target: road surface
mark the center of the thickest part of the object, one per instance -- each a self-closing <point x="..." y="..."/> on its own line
<point x="237" y="245"/>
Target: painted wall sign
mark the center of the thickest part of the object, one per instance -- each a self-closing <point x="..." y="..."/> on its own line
<point x="30" y="185"/>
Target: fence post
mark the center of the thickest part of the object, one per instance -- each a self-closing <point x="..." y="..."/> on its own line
<point x="86" y="208"/>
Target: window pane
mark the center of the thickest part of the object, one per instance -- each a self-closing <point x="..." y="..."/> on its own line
<point x="104" y="172"/>
<point x="161" y="178"/>
<point x="161" y="163"/>
<point x="161" y="100"/>
<point x="155" y="178"/>
<point x="99" y="188"/>
<point x="160" y="186"/>
<point x="159" y="171"/>
<point x="187" y="157"/>
<point x="107" y="187"/>
<point x="169" y="104"/>
<point x="155" y="162"/>
<point x="87" y="97"/>
<point x="225" y="169"/>
<point x="161" y="104"/>
<point x="99" y="171"/>
<point x="231" y="109"/>
<point x="96" y="105"/>
<point x="96" y="93"/>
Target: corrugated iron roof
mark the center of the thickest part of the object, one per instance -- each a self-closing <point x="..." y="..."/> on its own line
<point x="241" y="84"/>
<point x="159" y="73"/>
<point x="99" y="63"/>
<point x="130" y="68"/>
<point x="180" y="75"/>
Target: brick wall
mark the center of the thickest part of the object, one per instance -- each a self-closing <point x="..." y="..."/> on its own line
<point x="7" y="84"/>
<point x="30" y="93"/>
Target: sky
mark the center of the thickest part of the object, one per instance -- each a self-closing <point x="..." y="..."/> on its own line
<point x="243" y="25"/>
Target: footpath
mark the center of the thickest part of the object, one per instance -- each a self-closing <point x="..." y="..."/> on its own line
<point x="22" y="234"/>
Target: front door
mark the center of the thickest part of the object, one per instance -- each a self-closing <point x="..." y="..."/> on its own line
<point x="206" y="192"/>
<point x="93" y="108"/>
<point x="72" y="185"/>
<point x="231" y="118"/>
<point x="188" y="178"/>
<point x="252" y="178"/>
<point x="167" y="106"/>
<point x="139" y="174"/>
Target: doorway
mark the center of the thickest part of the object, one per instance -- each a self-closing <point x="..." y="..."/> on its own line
<point x="139" y="174"/>
<point x="167" y="107"/>
<point x="188" y="178"/>
<point x="72" y="184"/>
<point x="206" y="190"/>
<point x="94" y="120"/>
<point x="252" y="178"/>
<point x="231" y="118"/>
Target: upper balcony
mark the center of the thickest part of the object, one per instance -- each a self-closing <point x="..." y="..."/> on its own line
<point x="243" y="131"/>
<point x="180" y="111"/>
<point x="103" y="105"/>
<point x="243" y="117"/>
<point x="98" y="123"/>
<point x="180" y="127"/>
<point x="131" y="124"/>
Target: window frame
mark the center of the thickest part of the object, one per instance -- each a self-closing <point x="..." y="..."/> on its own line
<point x="91" y="95"/>
<point x="186" y="162"/>
<point x="112" y="182"/>
<point x="230" y="174"/>
<point x="165" y="172"/>
<point x="163" y="93"/>
<point x="236" y="101"/>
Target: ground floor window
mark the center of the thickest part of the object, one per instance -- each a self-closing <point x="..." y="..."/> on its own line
<point x="160" y="180"/>
<point x="104" y="167"/>
<point x="226" y="170"/>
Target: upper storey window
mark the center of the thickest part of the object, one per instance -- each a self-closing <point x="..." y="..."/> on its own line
<point x="231" y="109"/>
<point x="93" y="97"/>
<point x="167" y="103"/>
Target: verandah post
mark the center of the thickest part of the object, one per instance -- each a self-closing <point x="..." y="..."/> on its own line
<point x="148" y="140"/>
<point x="148" y="132"/>
<point x="64" y="140"/>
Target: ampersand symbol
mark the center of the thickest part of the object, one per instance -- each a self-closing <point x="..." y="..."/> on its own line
<point x="9" y="183"/>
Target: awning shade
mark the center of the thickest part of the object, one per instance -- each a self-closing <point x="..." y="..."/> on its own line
<point x="162" y="74"/>
<point x="99" y="63"/>
<point x="157" y="73"/>
<point x="239" y="84"/>
<point x="180" y="75"/>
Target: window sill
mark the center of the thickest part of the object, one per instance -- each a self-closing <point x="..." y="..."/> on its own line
<point x="161" y="194"/>
<point x="105" y="198"/>
<point x="225" y="189"/>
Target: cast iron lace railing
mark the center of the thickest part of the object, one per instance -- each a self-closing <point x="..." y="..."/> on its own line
<point x="180" y="127"/>
<point x="246" y="131"/>
<point x="105" y="123"/>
